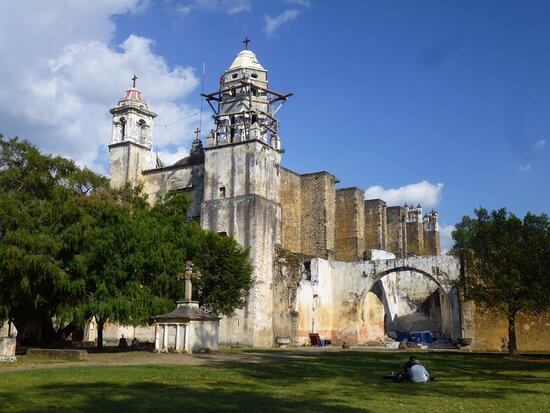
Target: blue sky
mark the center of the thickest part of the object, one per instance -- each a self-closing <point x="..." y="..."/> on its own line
<point x="387" y="93"/>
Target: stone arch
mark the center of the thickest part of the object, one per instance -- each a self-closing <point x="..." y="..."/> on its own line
<point x="378" y="276"/>
<point x="448" y="306"/>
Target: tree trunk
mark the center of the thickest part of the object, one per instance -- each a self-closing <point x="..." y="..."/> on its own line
<point x="100" y="324"/>
<point x="512" y="343"/>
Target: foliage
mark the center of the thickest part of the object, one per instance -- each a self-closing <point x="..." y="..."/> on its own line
<point x="507" y="262"/>
<point x="72" y="248"/>
<point x="225" y="269"/>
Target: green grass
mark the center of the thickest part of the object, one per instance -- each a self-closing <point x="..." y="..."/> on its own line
<point x="339" y="382"/>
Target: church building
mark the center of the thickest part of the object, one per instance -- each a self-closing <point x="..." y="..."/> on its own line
<point x="302" y="229"/>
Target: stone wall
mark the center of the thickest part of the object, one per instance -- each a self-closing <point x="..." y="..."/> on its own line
<point x="126" y="162"/>
<point x="291" y="210"/>
<point x="248" y="210"/>
<point x="7" y="349"/>
<point x="490" y="331"/>
<point x="375" y="224"/>
<point x="432" y="242"/>
<point x="290" y="270"/>
<point x="319" y="220"/>
<point x="415" y="238"/>
<point x="397" y="230"/>
<point x="188" y="179"/>
<point x="350" y="224"/>
<point x="318" y="214"/>
<point x="335" y="301"/>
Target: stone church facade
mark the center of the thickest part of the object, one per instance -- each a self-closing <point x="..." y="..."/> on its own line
<point x="239" y="188"/>
<point x="325" y="260"/>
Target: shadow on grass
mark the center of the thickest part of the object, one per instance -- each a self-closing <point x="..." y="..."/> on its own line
<point x="458" y="375"/>
<point x="148" y="396"/>
<point x="285" y="381"/>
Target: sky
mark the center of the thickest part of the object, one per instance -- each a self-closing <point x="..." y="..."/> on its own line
<point x="443" y="103"/>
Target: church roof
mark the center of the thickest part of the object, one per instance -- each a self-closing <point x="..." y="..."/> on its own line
<point x="133" y="94"/>
<point x="185" y="312"/>
<point x="246" y="59"/>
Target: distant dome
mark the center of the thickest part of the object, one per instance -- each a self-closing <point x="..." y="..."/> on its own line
<point x="246" y="59"/>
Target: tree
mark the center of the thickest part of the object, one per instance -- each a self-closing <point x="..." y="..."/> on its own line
<point x="226" y="272"/>
<point x="507" y="263"/>
<point x="36" y="213"/>
<point x="71" y="248"/>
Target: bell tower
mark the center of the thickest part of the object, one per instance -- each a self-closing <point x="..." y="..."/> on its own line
<point x="130" y="150"/>
<point x="242" y="183"/>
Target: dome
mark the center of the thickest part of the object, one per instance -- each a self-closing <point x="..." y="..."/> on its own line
<point x="246" y="59"/>
<point x="133" y="93"/>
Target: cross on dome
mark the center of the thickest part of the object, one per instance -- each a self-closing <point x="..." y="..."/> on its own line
<point x="245" y="42"/>
<point x="134" y="81"/>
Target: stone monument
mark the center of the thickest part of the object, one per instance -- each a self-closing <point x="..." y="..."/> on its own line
<point x="7" y="343"/>
<point x="188" y="328"/>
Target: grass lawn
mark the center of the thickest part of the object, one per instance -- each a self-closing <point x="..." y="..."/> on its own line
<point x="304" y="382"/>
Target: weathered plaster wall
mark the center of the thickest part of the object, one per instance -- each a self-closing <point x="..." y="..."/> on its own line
<point x="188" y="179"/>
<point x="248" y="210"/>
<point x="490" y="331"/>
<point x="112" y="333"/>
<point x="350" y="224"/>
<point x="412" y="302"/>
<point x="126" y="161"/>
<point x="375" y="224"/>
<point x="7" y="349"/>
<point x="290" y="270"/>
<point x="336" y="302"/>
<point x="203" y="335"/>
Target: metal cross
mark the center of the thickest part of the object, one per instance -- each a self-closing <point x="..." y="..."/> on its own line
<point x="134" y="80"/>
<point x="246" y="41"/>
<point x="197" y="133"/>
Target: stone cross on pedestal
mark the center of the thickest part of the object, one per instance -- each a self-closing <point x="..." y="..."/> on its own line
<point x="188" y="276"/>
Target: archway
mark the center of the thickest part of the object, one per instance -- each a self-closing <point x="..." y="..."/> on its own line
<point x="404" y="300"/>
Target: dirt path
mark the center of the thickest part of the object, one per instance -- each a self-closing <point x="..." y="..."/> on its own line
<point x="144" y="358"/>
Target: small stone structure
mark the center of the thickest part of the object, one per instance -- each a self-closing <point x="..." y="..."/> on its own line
<point x="7" y="349"/>
<point x="189" y="328"/>
<point x="8" y="342"/>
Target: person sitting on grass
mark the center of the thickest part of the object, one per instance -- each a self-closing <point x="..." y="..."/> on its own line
<point x="417" y="373"/>
<point x="413" y="371"/>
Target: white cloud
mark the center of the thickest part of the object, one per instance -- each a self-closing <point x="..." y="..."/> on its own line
<point x="273" y="23"/>
<point x="303" y="3"/>
<point x="446" y="235"/>
<point x="183" y="9"/>
<point x="63" y="75"/>
<point x="423" y="193"/>
<point x="171" y="157"/>
<point x="227" y="6"/>
<point x="525" y="167"/>
<point x="540" y="143"/>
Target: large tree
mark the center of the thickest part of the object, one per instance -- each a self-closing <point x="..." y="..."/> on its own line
<point x="37" y="212"/>
<point x="507" y="263"/>
<point x="71" y="249"/>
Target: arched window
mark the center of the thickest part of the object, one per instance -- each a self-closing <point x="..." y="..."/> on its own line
<point x="122" y="128"/>
<point x="142" y="127"/>
<point x="232" y="121"/>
